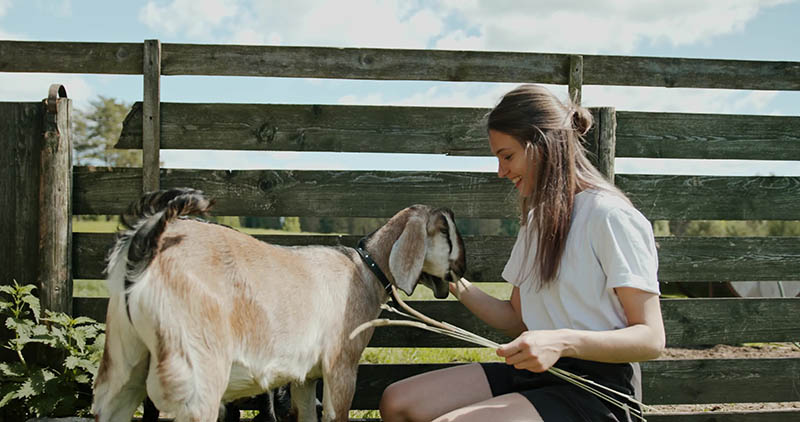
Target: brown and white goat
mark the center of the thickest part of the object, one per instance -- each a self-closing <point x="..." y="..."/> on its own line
<point x="200" y="313"/>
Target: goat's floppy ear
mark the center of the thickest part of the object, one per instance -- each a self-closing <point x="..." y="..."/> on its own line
<point x="408" y="254"/>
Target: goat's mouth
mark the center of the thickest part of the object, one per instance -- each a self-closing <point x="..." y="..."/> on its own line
<point x="439" y="287"/>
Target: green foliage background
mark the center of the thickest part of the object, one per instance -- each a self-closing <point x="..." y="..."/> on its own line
<point x="57" y="358"/>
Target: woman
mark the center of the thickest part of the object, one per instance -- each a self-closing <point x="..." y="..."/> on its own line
<point x="585" y="295"/>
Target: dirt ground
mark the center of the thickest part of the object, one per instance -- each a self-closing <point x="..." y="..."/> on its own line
<point x="767" y="350"/>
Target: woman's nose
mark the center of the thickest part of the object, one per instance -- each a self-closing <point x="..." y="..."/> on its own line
<point x="501" y="170"/>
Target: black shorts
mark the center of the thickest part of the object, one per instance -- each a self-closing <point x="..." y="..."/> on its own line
<point x="557" y="400"/>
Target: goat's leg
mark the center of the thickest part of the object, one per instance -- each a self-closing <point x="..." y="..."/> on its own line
<point x="193" y="392"/>
<point x="338" y="388"/>
<point x="119" y="387"/>
<point x="304" y="400"/>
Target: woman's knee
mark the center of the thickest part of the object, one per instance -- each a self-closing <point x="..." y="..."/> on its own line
<point x="394" y="405"/>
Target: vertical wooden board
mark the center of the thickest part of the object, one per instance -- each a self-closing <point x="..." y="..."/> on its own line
<point x="575" y="79"/>
<point x="55" y="216"/>
<point x="151" y="121"/>
<point x="606" y="141"/>
<point x="20" y="133"/>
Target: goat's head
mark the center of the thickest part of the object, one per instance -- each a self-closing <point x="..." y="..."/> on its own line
<point x="429" y="251"/>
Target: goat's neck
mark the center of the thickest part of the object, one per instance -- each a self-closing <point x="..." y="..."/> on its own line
<point x="379" y="246"/>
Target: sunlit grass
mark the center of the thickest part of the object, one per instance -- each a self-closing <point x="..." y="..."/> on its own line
<point x="89" y="288"/>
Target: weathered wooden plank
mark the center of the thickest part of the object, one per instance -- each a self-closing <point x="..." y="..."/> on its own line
<point x="728" y="258"/>
<point x="664" y="382"/>
<point x="151" y="116"/>
<point x="451" y="131"/>
<point x="688" y="322"/>
<point x="575" y="85"/>
<point x="303" y="193"/>
<point x="443" y="65"/>
<point x="328" y="128"/>
<point x="364" y="63"/>
<point x="55" y="214"/>
<point x="713" y="198"/>
<point x="486" y="254"/>
<point x="21" y="130"/>
<point x="676" y="72"/>
<point x="396" y="64"/>
<point x="788" y="415"/>
<point x="687" y="259"/>
<point x="602" y="152"/>
<point x="71" y="57"/>
<point x="707" y="136"/>
<point x="470" y="195"/>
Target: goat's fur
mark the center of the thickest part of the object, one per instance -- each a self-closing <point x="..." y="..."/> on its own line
<point x="200" y="313"/>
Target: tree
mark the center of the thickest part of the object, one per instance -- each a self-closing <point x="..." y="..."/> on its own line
<point x="96" y="131"/>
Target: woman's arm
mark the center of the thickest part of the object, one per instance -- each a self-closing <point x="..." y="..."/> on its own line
<point x="642" y="339"/>
<point x="503" y="315"/>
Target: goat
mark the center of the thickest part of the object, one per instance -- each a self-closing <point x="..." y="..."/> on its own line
<point x="200" y="313"/>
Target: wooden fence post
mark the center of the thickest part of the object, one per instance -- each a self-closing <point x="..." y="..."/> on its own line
<point x="55" y="204"/>
<point x="606" y="134"/>
<point x="575" y="79"/>
<point x="151" y="116"/>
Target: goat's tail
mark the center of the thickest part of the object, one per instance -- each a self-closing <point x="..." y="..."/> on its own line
<point x="145" y="221"/>
<point x="150" y="214"/>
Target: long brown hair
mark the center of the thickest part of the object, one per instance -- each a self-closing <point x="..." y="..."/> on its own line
<point x="551" y="133"/>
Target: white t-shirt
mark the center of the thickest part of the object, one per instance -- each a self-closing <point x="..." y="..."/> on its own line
<point x="610" y="244"/>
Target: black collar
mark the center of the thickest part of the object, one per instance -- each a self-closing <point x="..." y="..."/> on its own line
<point x="387" y="285"/>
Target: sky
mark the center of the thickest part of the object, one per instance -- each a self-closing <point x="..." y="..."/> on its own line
<point x="724" y="29"/>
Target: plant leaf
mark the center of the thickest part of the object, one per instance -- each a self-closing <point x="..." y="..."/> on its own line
<point x="15" y="369"/>
<point x="7" y="397"/>
<point x="71" y="362"/>
<point x="33" y="303"/>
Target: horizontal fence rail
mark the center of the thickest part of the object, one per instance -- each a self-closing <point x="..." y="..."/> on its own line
<point x="397" y="64"/>
<point x="684" y="259"/>
<point x="470" y="195"/>
<point x="450" y="131"/>
<point x="688" y="322"/>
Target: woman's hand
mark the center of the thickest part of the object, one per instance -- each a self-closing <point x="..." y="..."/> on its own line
<point x="535" y="351"/>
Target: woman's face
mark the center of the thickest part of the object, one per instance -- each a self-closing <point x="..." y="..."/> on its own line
<point x="512" y="161"/>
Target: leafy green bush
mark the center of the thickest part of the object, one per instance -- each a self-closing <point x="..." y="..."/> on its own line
<point x="53" y="377"/>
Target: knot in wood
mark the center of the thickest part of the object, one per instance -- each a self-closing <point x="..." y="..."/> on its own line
<point x="267" y="133"/>
<point x="366" y="60"/>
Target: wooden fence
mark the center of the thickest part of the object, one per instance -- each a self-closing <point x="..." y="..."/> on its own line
<point x="153" y="126"/>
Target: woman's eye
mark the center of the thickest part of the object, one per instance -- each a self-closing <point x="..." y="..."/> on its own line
<point x="508" y="157"/>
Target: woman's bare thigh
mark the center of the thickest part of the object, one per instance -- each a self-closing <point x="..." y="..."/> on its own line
<point x="513" y="407"/>
<point x="432" y="394"/>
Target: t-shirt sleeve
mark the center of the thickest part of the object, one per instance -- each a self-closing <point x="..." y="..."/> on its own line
<point x="623" y="242"/>
<point x="515" y="271"/>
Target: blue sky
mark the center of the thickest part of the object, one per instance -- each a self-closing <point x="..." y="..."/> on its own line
<point x="732" y="29"/>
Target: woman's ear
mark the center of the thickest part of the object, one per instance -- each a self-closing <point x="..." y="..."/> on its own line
<point x="408" y="255"/>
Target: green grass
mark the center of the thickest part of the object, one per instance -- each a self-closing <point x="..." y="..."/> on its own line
<point x="89" y="288"/>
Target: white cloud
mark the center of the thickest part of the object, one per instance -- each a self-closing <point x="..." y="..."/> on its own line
<point x="683" y="100"/>
<point x="4" y="6"/>
<point x="585" y="26"/>
<point x="194" y="18"/>
<point x="590" y="26"/>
